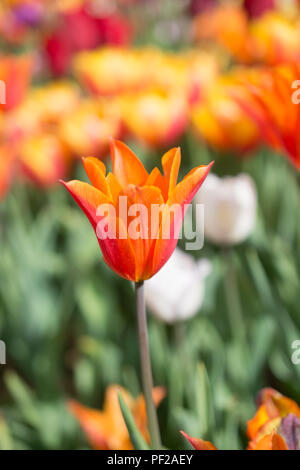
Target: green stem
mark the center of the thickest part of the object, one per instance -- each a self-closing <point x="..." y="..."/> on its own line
<point x="146" y="366"/>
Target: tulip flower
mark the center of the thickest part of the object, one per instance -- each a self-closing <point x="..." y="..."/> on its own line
<point x="155" y="117"/>
<point x="137" y="258"/>
<point x="230" y="208"/>
<point x="87" y="129"/>
<point x="273" y="407"/>
<point x="43" y="109"/>
<point x="273" y="104"/>
<point x="55" y="100"/>
<point x="106" y="430"/>
<point x="15" y="73"/>
<point x="274" y="39"/>
<point x="139" y="246"/>
<point x="110" y="70"/>
<point x="188" y="73"/>
<point x="223" y="25"/>
<point x="276" y="425"/>
<point x="219" y="120"/>
<point x="42" y="159"/>
<point x="187" y="276"/>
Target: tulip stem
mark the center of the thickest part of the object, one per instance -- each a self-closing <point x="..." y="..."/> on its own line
<point x="146" y="366"/>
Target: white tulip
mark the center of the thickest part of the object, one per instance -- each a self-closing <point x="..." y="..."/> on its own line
<point x="229" y="208"/>
<point x="176" y="292"/>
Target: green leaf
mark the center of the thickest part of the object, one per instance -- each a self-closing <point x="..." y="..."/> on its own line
<point x="137" y="440"/>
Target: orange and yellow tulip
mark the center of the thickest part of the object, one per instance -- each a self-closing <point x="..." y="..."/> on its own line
<point x="275" y="39"/>
<point x="223" y="25"/>
<point x="156" y="117"/>
<point x="272" y="408"/>
<point x="275" y="426"/>
<point x="87" y="130"/>
<point x="219" y="119"/>
<point x="271" y="39"/>
<point x="272" y="102"/>
<point x="106" y="429"/>
<point x="15" y="73"/>
<point x="109" y="71"/>
<point x="42" y="159"/>
<point x="136" y="258"/>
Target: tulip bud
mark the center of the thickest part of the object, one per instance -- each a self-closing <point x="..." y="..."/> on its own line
<point x="229" y="208"/>
<point x="176" y="292"/>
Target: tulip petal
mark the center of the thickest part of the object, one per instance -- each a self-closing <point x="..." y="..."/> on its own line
<point x="116" y="248"/>
<point x="188" y="187"/>
<point x="174" y="213"/>
<point x="199" y="444"/>
<point x="171" y="164"/>
<point x="155" y="179"/>
<point x="271" y="442"/>
<point x="88" y="198"/>
<point x="95" y="169"/>
<point x="118" y="253"/>
<point x="127" y="168"/>
<point x="141" y="226"/>
<point x="254" y="424"/>
<point x="93" y="423"/>
<point x="114" y="186"/>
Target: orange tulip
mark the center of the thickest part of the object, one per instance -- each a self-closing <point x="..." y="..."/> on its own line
<point x="155" y="117"/>
<point x="87" y="130"/>
<point x="224" y="24"/>
<point x="276" y="425"/>
<point x="273" y="407"/>
<point x="110" y="70"/>
<point x="275" y="39"/>
<point x="136" y="255"/>
<point x="43" y="109"/>
<point x="15" y="74"/>
<point x="219" y="119"/>
<point x="273" y="103"/>
<point x="106" y="429"/>
<point x="42" y="159"/>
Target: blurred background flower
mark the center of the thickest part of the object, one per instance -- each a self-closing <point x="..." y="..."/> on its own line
<point x="106" y="429"/>
<point x="187" y="278"/>
<point x="230" y="208"/>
